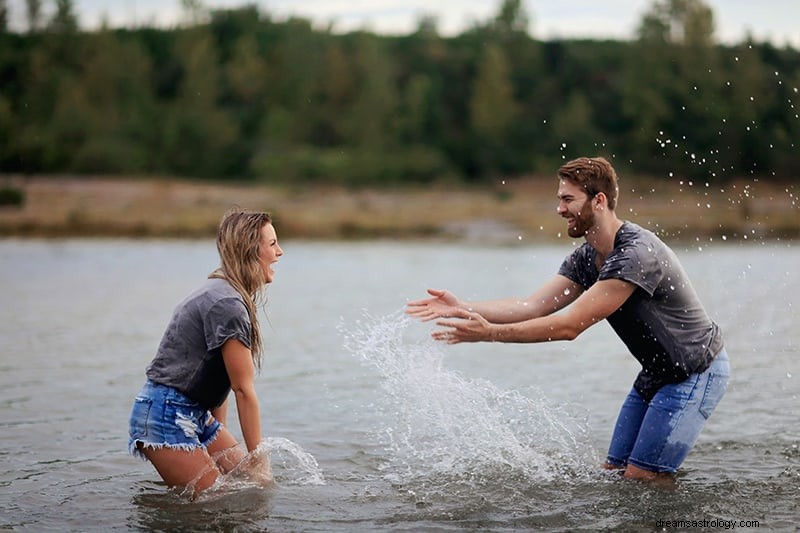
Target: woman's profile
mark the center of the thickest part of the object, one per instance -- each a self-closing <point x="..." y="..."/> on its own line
<point x="211" y="346"/>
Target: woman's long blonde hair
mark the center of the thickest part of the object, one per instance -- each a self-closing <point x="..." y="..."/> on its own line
<point x="239" y="246"/>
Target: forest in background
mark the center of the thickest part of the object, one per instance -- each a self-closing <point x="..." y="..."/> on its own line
<point x="239" y="96"/>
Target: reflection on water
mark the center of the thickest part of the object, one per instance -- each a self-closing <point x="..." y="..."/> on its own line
<point x="160" y="510"/>
<point x="370" y="426"/>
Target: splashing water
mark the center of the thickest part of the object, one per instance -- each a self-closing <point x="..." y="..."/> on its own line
<point x="275" y="460"/>
<point x="450" y="431"/>
<point x="293" y="465"/>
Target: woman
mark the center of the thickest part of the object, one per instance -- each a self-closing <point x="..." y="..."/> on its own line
<point x="212" y="345"/>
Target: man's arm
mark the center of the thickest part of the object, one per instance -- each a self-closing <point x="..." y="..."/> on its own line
<point x="551" y="297"/>
<point x="594" y="305"/>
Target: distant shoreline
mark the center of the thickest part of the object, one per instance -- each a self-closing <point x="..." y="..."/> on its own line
<point x="513" y="210"/>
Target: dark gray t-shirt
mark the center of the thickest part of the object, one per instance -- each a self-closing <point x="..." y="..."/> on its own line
<point x="662" y="323"/>
<point x="189" y="357"/>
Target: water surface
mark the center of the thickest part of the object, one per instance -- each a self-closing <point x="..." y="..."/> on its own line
<point x="371" y="426"/>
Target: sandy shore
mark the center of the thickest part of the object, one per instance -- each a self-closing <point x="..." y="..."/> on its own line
<point x="513" y="210"/>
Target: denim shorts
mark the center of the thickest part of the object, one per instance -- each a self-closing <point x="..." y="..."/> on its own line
<point x="657" y="436"/>
<point x="163" y="417"/>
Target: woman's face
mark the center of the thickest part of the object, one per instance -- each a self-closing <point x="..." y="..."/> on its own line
<point x="269" y="251"/>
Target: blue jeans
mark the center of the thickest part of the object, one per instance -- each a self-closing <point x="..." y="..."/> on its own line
<point x="657" y="436"/>
<point x="163" y="417"/>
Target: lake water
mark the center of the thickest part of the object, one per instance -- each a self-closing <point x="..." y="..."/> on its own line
<point x="370" y="426"/>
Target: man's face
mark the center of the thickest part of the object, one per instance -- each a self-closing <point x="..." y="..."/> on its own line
<point x="575" y="205"/>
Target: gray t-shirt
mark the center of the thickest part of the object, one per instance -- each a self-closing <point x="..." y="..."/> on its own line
<point x="189" y="357"/>
<point x="662" y="323"/>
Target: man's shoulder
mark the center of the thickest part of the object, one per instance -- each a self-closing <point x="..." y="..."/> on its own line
<point x="634" y="235"/>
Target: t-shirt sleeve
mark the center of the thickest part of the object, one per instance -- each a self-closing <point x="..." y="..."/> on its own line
<point x="579" y="267"/>
<point x="227" y="319"/>
<point x="635" y="263"/>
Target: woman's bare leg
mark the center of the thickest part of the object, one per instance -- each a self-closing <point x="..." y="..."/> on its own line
<point x="194" y="470"/>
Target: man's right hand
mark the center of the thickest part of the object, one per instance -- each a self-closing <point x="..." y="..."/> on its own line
<point x="441" y="304"/>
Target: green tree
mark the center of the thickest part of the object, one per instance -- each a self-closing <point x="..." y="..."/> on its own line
<point x="674" y="104"/>
<point x="512" y="18"/>
<point x="492" y="103"/>
<point x="371" y="119"/>
<point x="3" y="16"/>
<point x="198" y="133"/>
<point x="492" y="108"/>
<point x="247" y="74"/>
<point x="337" y="93"/>
<point x="33" y="11"/>
<point x="573" y="126"/>
<point x="684" y="22"/>
<point x="117" y="108"/>
<point x="64" y="20"/>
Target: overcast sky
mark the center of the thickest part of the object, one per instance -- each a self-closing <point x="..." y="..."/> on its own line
<point x="774" y="20"/>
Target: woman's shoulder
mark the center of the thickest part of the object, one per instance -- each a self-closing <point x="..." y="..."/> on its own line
<point x="213" y="291"/>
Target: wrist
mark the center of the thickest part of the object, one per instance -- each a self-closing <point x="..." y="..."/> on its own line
<point x="496" y="332"/>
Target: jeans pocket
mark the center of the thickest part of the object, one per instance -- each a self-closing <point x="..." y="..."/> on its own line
<point x="715" y="389"/>
<point x="139" y="417"/>
<point x="185" y="415"/>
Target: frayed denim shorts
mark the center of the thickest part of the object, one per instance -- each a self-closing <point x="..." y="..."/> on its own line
<point x="657" y="436"/>
<point x="163" y="417"/>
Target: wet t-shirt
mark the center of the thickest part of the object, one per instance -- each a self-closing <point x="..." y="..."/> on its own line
<point x="189" y="357"/>
<point x="662" y="323"/>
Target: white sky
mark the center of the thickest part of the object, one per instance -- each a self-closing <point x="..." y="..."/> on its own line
<point x="774" y="20"/>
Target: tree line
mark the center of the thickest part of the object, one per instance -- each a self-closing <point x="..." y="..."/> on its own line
<point x="236" y="94"/>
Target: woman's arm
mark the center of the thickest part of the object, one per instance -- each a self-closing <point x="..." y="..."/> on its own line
<point x="241" y="371"/>
<point x="221" y="413"/>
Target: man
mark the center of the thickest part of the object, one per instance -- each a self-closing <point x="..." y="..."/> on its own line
<point x="627" y="275"/>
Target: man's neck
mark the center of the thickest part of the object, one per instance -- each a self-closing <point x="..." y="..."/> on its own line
<point x="602" y="236"/>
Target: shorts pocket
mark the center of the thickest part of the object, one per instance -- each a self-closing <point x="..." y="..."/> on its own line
<point x="185" y="415"/>
<point x="140" y="415"/>
<point x="715" y="389"/>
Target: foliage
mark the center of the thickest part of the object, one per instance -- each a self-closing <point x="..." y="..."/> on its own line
<point x="234" y="94"/>
<point x="11" y="196"/>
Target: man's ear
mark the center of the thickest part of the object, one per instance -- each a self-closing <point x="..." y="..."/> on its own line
<point x="600" y="199"/>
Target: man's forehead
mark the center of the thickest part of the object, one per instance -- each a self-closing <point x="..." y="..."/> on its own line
<point x="566" y="188"/>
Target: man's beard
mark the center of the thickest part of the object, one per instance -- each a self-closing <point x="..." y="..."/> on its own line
<point x="584" y="220"/>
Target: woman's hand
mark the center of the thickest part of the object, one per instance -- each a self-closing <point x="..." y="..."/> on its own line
<point x="443" y="303"/>
<point x="464" y="326"/>
<point x="255" y="468"/>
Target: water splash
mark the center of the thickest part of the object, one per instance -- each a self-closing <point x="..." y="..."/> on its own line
<point x="276" y="461"/>
<point x="453" y="432"/>
<point x="293" y="465"/>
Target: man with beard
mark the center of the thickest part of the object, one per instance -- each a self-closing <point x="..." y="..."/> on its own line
<point x="627" y="275"/>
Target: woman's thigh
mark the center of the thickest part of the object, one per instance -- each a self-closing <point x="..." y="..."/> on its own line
<point x="194" y="470"/>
